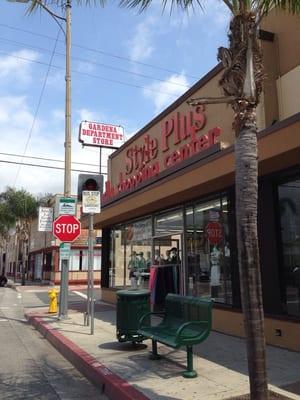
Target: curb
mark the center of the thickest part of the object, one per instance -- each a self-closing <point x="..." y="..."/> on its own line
<point x="110" y="383"/>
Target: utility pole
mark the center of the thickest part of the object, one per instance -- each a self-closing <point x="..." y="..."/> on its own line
<point x="68" y="124"/>
<point x="64" y="280"/>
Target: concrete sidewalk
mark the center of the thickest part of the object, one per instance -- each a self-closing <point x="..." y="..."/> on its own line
<point x="123" y="371"/>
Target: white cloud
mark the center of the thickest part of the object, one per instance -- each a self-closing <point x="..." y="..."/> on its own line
<point x="14" y="112"/>
<point x="16" y="66"/>
<point x="58" y="115"/>
<point x="141" y="46"/>
<point x="15" y="123"/>
<point x="87" y="115"/>
<point x="85" y="66"/>
<point x="169" y="90"/>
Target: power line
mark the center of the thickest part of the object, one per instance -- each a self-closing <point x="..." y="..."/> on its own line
<point x="99" y="51"/>
<point x="19" y="44"/>
<point x="48" y="166"/>
<point x="91" y="75"/>
<point x="47" y="159"/>
<point x="38" y="106"/>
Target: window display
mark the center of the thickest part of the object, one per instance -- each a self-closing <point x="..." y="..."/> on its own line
<point x="289" y="207"/>
<point x="197" y="265"/>
<point x="208" y="252"/>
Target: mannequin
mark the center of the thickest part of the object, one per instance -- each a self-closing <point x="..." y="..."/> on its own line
<point x="215" y="271"/>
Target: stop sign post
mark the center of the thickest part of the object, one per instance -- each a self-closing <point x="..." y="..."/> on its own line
<point x="66" y="228"/>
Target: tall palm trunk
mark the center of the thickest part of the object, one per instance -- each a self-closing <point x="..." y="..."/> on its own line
<point x="242" y="79"/>
<point x="248" y="256"/>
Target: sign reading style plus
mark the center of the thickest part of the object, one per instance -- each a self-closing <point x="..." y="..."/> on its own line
<point x="182" y="136"/>
<point x="101" y="135"/>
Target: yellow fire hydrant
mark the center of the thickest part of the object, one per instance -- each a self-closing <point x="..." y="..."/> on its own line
<point x="53" y="301"/>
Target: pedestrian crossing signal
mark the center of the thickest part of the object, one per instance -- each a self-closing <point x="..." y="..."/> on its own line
<point x="89" y="182"/>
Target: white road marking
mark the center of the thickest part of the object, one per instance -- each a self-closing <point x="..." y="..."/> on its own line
<point x="80" y="294"/>
<point x="19" y="296"/>
<point x="3" y="320"/>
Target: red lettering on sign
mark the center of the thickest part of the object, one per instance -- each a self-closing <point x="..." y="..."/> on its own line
<point x="182" y="126"/>
<point x="138" y="156"/>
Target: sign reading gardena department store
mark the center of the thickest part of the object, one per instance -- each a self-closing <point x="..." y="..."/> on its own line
<point x="181" y="136"/>
<point x="101" y="135"/>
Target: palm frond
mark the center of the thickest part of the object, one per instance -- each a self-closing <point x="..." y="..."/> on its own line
<point x="293" y="6"/>
<point x="38" y="4"/>
<point x="142" y="5"/>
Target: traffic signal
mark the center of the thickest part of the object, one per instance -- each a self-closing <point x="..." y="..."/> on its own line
<point x="89" y="182"/>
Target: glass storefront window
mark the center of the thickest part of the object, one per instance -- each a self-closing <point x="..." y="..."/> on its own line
<point x="208" y="250"/>
<point x="203" y="262"/>
<point x="138" y="238"/>
<point x="117" y="258"/>
<point x="168" y="222"/>
<point x="289" y="207"/>
<point x="130" y="256"/>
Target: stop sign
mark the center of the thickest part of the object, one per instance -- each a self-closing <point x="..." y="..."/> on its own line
<point x="214" y="232"/>
<point x="66" y="228"/>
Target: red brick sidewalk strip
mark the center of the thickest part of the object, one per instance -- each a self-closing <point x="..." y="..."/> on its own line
<point x="111" y="384"/>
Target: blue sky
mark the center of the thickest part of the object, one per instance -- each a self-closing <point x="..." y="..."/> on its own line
<point x="127" y="67"/>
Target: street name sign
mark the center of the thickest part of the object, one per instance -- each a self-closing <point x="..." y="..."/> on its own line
<point x="65" y="251"/>
<point x="66" y="228"/>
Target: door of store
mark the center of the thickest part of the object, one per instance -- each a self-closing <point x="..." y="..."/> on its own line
<point x="167" y="272"/>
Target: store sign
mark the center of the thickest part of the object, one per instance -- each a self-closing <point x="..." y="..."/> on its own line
<point x="45" y="219"/>
<point x="182" y="136"/>
<point x="101" y="135"/>
<point x="214" y="232"/>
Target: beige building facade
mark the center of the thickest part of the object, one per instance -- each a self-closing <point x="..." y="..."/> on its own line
<point x="168" y="213"/>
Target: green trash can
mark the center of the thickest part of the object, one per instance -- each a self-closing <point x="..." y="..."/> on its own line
<point x="132" y="304"/>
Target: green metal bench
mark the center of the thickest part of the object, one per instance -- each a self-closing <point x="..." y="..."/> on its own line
<point x="186" y="321"/>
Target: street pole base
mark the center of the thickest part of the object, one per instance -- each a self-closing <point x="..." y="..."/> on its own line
<point x="189" y="374"/>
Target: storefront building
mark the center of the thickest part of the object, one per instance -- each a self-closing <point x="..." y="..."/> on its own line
<point x="44" y="256"/>
<point x="168" y="213"/>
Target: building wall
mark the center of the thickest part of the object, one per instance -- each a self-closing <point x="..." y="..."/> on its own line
<point x="286" y="28"/>
<point x="219" y="115"/>
<point x="281" y="62"/>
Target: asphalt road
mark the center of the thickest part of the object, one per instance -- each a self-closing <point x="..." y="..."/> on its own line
<point x="30" y="368"/>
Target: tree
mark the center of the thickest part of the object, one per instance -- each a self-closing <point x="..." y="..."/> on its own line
<point x="6" y="222"/>
<point x="242" y="83"/>
<point x="35" y="4"/>
<point x="21" y="208"/>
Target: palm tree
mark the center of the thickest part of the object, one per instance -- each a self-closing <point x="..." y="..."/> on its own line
<point x="6" y="222"/>
<point x="35" y="4"/>
<point x="241" y="83"/>
<point x="21" y="208"/>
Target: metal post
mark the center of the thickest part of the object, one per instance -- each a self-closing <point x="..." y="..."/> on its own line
<point x="63" y="306"/>
<point x="91" y="271"/>
<point x="100" y="161"/>
<point x="68" y="129"/>
<point x="64" y="286"/>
